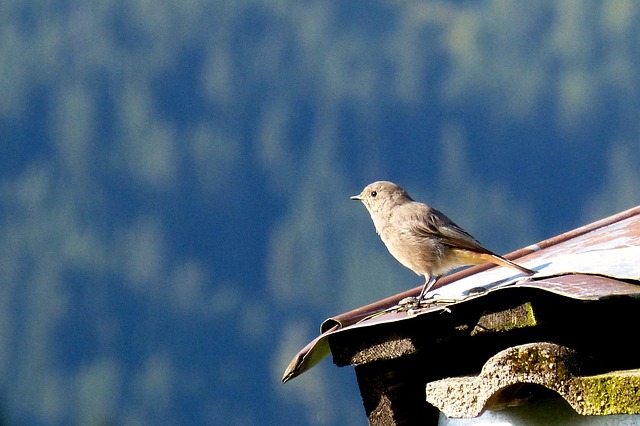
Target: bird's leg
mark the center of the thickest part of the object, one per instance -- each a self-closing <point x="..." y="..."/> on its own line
<point x="430" y="280"/>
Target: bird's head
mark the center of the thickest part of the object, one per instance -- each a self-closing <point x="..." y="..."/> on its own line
<point x="382" y="195"/>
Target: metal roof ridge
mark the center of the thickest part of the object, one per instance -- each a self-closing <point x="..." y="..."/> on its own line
<point x="355" y="315"/>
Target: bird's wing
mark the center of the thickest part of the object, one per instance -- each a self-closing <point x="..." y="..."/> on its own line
<point x="432" y="223"/>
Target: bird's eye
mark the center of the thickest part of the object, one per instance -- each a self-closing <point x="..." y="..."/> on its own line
<point x="374" y="193"/>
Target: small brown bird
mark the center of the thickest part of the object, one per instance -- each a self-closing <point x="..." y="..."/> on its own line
<point x="422" y="238"/>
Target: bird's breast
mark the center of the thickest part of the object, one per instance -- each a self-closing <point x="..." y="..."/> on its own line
<point x="421" y="255"/>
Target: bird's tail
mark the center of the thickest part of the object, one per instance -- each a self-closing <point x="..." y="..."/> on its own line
<point x="499" y="260"/>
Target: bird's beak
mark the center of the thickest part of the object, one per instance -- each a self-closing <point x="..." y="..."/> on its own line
<point x="356" y="197"/>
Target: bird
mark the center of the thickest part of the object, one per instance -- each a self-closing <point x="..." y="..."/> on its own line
<point x="422" y="238"/>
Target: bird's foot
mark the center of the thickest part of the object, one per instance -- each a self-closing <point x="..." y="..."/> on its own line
<point x="409" y="302"/>
<point x="414" y="301"/>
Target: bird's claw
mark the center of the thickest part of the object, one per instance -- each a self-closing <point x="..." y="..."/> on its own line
<point x="409" y="301"/>
<point x="412" y="302"/>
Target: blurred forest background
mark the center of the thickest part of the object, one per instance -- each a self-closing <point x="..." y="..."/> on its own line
<point x="174" y="182"/>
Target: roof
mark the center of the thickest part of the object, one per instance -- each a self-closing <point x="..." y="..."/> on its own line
<point x="595" y="262"/>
